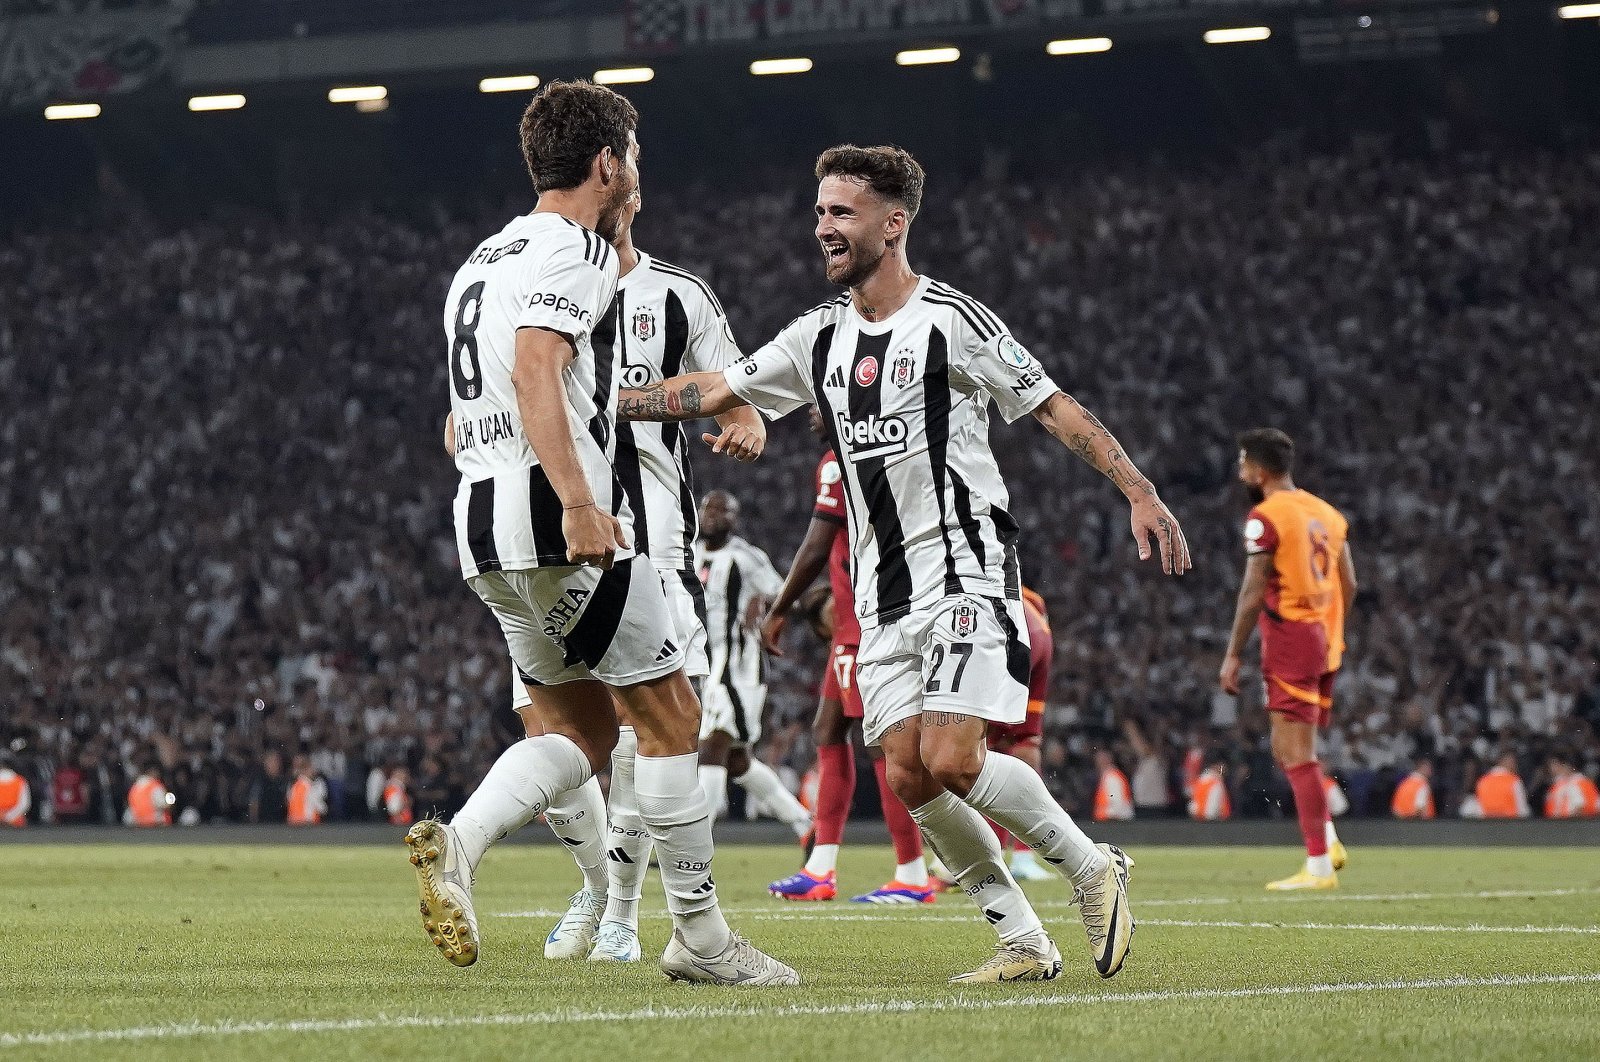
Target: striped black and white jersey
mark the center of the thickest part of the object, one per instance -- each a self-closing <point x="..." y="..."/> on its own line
<point x="907" y="403"/>
<point x="667" y="322"/>
<point x="540" y="271"/>
<point x="733" y="576"/>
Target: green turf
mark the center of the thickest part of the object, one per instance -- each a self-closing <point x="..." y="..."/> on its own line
<point x="136" y="937"/>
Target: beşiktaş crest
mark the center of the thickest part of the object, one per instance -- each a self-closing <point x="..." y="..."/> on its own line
<point x="644" y="325"/>
<point x="964" y="620"/>
<point x="905" y="369"/>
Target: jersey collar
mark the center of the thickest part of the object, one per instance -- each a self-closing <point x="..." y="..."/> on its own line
<point x="878" y="328"/>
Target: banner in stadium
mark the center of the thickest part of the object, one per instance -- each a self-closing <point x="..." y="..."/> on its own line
<point x="667" y="24"/>
<point x="47" y="58"/>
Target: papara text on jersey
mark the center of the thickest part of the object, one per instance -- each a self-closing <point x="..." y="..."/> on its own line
<point x="488" y="429"/>
<point x="561" y="302"/>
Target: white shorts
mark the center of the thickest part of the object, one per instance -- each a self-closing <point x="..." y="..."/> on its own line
<point x="967" y="655"/>
<point x="686" y="611"/>
<point x="570" y="623"/>
<point x="732" y="708"/>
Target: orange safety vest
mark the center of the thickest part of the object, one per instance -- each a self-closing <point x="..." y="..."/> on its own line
<point x="1112" y="797"/>
<point x="1413" y="798"/>
<point x="147" y="801"/>
<point x="1498" y="792"/>
<point x="397" y="802"/>
<point x="1193" y="762"/>
<point x="12" y="790"/>
<point x="1574" y="797"/>
<point x="1210" y="801"/>
<point x="303" y="809"/>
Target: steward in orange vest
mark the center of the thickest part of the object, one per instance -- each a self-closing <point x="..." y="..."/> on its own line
<point x="149" y="803"/>
<point x="308" y="795"/>
<point x="397" y="798"/>
<point x="1500" y="792"/>
<point x="1413" y="797"/>
<point x="1210" y="800"/>
<point x="16" y="798"/>
<point x="1113" y="799"/>
<point x="1572" y="795"/>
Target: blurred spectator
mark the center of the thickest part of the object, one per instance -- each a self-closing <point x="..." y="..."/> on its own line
<point x="1112" y="797"/>
<point x="1571" y="795"/>
<point x="149" y="802"/>
<point x="1413" y="798"/>
<point x="308" y="795"/>
<point x="1500" y="791"/>
<point x="16" y="797"/>
<point x="1209" y="800"/>
<point x="397" y="798"/>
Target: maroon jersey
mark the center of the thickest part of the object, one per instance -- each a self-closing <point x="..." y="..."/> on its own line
<point x="830" y="507"/>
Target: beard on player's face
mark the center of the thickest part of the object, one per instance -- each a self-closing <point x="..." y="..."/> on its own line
<point x="847" y="262"/>
<point x="609" y="225"/>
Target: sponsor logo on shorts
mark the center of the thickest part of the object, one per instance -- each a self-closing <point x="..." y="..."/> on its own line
<point x="564" y="612"/>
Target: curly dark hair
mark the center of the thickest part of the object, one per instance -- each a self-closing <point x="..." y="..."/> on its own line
<point x="888" y="170"/>
<point x="1270" y="448"/>
<point x="565" y="127"/>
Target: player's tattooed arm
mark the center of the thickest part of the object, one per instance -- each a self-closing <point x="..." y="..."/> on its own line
<point x="687" y="397"/>
<point x="1081" y="432"/>
<point x="1252" y="599"/>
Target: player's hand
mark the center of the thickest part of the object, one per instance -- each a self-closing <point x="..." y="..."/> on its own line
<point x="593" y="536"/>
<point x="1229" y="676"/>
<point x="772" y="628"/>
<point x="1151" y="517"/>
<point x="739" y="441"/>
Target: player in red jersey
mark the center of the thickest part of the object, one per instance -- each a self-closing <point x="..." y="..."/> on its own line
<point x="1298" y="585"/>
<point x="839" y="709"/>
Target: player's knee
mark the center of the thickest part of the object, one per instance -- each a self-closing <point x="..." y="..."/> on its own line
<point x="910" y="782"/>
<point x="954" y="766"/>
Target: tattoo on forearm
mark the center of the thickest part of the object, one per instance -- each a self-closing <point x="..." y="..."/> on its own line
<point x="1115" y="466"/>
<point x="656" y="402"/>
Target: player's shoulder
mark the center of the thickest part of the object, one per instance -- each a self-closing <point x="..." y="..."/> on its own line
<point x="686" y="285"/>
<point x="820" y="315"/>
<point x="982" y="322"/>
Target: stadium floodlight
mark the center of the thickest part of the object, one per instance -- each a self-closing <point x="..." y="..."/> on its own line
<point x="231" y="101"/>
<point x="1079" y="46"/>
<point x="357" y="94"/>
<point x="927" y="56"/>
<point x="517" y="83"/>
<point x="762" y="67"/>
<point x="624" y="75"/>
<point x="57" y="112"/>
<point x="1237" y="35"/>
<point x="1579" y="11"/>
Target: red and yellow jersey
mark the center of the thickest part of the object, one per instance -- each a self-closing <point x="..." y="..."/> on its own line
<point x="1305" y="536"/>
<point x="1041" y="650"/>
<point x="830" y="506"/>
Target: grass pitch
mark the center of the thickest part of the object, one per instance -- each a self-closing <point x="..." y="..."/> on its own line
<point x="310" y="952"/>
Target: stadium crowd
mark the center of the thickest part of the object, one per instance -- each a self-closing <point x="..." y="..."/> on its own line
<point x="227" y="512"/>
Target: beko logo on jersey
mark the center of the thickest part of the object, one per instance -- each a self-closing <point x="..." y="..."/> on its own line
<point x="562" y="304"/>
<point x="873" y="436"/>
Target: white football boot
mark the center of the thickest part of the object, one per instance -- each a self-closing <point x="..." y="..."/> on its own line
<point x="445" y="887"/>
<point x="616" y="942"/>
<point x="573" y="936"/>
<point x="740" y="964"/>
<point x="1031" y="958"/>
<point x="1107" y="919"/>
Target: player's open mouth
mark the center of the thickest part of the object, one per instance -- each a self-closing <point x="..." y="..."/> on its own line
<point x="835" y="251"/>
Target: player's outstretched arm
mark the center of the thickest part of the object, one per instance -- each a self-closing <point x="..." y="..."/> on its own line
<point x="1082" y="433"/>
<point x="1252" y="599"/>
<point x="593" y="536"/>
<point x="686" y="397"/>
<point x="809" y="560"/>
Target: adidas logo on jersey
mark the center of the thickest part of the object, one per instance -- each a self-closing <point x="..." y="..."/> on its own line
<point x="873" y="436"/>
<point x="667" y="649"/>
<point x="836" y="377"/>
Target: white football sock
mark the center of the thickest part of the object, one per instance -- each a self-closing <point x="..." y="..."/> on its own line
<point x="578" y="819"/>
<point x="763" y="783"/>
<point x="912" y="873"/>
<point x="1012" y="794"/>
<point x="628" y="844"/>
<point x="970" y="850"/>
<point x="673" y="808"/>
<point x="714" y="785"/>
<point x="823" y="860"/>
<point x="1321" y="866"/>
<point x="1331" y="834"/>
<point x="516" y="789"/>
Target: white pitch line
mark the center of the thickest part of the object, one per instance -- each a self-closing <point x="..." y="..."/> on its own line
<point x="1380" y="927"/>
<point x="983" y="1001"/>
